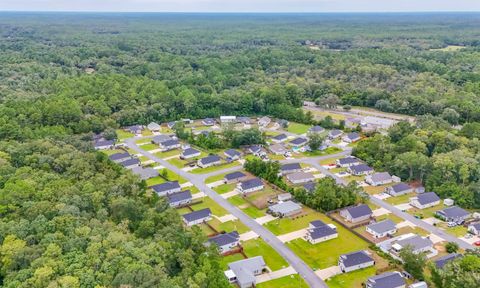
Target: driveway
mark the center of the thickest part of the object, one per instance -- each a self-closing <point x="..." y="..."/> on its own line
<point x="292" y="235"/>
<point x="328" y="272"/>
<point x="276" y="274"/>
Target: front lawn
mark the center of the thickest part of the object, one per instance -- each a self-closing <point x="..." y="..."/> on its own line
<point x="122" y="134"/>
<point x="229" y="226"/>
<point x="224" y="188"/>
<point x="286" y="225"/>
<point x="207" y="202"/>
<point x="251" y="211"/>
<point x="328" y="151"/>
<point x="214" y="168"/>
<point x="352" y="279"/>
<point x="400" y="199"/>
<point x="215" y="178"/>
<point x="298" y="128"/>
<point x="171" y="176"/>
<point x="166" y="153"/>
<point x="291" y="281"/>
<point x="258" y="247"/>
<point x="149" y="147"/>
<point x="143" y="141"/>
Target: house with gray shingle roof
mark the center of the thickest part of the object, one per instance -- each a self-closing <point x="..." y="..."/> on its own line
<point x="160" y="138"/>
<point x="171" y="144"/>
<point x="453" y="214"/>
<point x="298" y="142"/>
<point x="277" y="149"/>
<point x="134" y="129"/>
<point x="335" y="133"/>
<point x="102" y="144"/>
<point x="355" y="260"/>
<point x="377" y="179"/>
<point x="244" y="272"/>
<point x="474" y="228"/>
<point x="232" y="154"/>
<point x="285" y="209"/>
<point x="359" y="170"/>
<point x="319" y="232"/>
<point x="399" y="189"/>
<point x="179" y="198"/>
<point x="190" y="153"/>
<point x="145" y="173"/>
<point x="171" y="124"/>
<point x="264" y="121"/>
<point x="425" y="200"/>
<point x="166" y="188"/>
<point x="348" y="161"/>
<point x="154" y="127"/>
<point x="208" y="121"/>
<point x="310" y="187"/>
<point x="316" y="129"/>
<point x="386" y="280"/>
<point x="197" y="217"/>
<point x="290" y="168"/>
<point x="300" y="177"/>
<point x="279" y="138"/>
<point x="119" y="157"/>
<point x="226" y="241"/>
<point x="442" y="261"/>
<point x="356" y="214"/>
<point x="208" y="161"/>
<point x="130" y="163"/>
<point x="417" y="243"/>
<point x="351" y="137"/>
<point x="234" y="177"/>
<point x="251" y="185"/>
<point x="382" y="229"/>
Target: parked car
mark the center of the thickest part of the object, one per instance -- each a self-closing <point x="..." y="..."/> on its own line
<point x="476" y="243"/>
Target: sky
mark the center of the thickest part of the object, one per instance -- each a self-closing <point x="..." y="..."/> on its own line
<point x="241" y="5"/>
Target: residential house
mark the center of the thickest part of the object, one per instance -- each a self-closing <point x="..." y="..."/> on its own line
<point x="290" y="168"/>
<point x="208" y="121"/>
<point x="356" y="214"/>
<point x="300" y="177"/>
<point x="352" y="122"/>
<point x="421" y="284"/>
<point x="166" y="188"/>
<point x="170" y="145"/>
<point x="425" y="200"/>
<point x="208" y="161"/>
<point x="283" y="123"/>
<point x="154" y="127"/>
<point x="251" y="185"/>
<point x="134" y="129"/>
<point x="298" y="143"/>
<point x="234" y="177"/>
<point x="318" y="231"/>
<point x="102" y="144"/>
<point x="386" y="280"/>
<point x="399" y="189"/>
<point x="228" y="119"/>
<point x="197" y="217"/>
<point x="145" y="173"/>
<point x="354" y="261"/>
<point x="160" y="138"/>
<point x="244" y="120"/>
<point x="316" y="130"/>
<point x="348" y="162"/>
<point x="256" y="150"/>
<point x="119" y="157"/>
<point x="334" y="134"/>
<point x="189" y="153"/>
<point x="130" y="163"/>
<point x="417" y="243"/>
<point x="285" y="209"/>
<point x="310" y="186"/>
<point x="244" y="272"/>
<point x="225" y="242"/>
<point x="351" y="137"/>
<point x="232" y="154"/>
<point x="279" y="138"/>
<point x="171" y="124"/>
<point x="474" y="228"/>
<point x="277" y="149"/>
<point x="179" y="198"/>
<point x="442" y="261"/>
<point x="264" y="121"/>
<point x="453" y="214"/>
<point x="284" y="197"/>
<point x="359" y="170"/>
<point x="380" y="178"/>
<point x="382" y="229"/>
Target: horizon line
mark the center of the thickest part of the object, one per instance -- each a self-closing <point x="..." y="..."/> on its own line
<point x="240" y="12"/>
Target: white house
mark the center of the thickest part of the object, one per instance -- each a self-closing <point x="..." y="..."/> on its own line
<point x="354" y="261"/>
<point x="226" y="242"/>
<point x="197" y="217"/>
<point x="474" y="228"/>
<point x="250" y="185"/>
<point x="228" y="119"/>
<point x="244" y="272"/>
<point x="425" y="200"/>
<point x="356" y="214"/>
<point x="382" y="229"/>
<point x="319" y="232"/>
<point x="399" y="189"/>
<point x="386" y="280"/>
<point x="381" y="178"/>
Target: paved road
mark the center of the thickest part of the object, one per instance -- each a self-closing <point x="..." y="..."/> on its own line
<point x="198" y="180"/>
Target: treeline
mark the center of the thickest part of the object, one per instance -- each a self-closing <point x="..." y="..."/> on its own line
<point x="446" y="160"/>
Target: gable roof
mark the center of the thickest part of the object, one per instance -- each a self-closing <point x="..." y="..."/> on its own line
<point x="348" y="160"/>
<point x="153" y="126"/>
<point x="316" y="129"/>
<point x="244" y="269"/>
<point x="427" y="198"/>
<point x="400" y="187"/>
<point x="476" y="226"/>
<point x="235" y="175"/>
<point x="290" y="167"/>
<point x="353" y="135"/>
<point x="103" y="142"/>
<point x="361" y="168"/>
<point x="355" y="258"/>
<point x="208" y="121"/>
<point x="232" y="153"/>
<point x="277" y="148"/>
<point x="382" y="226"/>
<point x="359" y="211"/>
<point x="119" y="156"/>
<point x="180" y="196"/>
<point x="416" y="242"/>
<point x="225" y="239"/>
<point x="254" y="148"/>
<point x="300" y="176"/>
<point x="442" y="261"/>
<point x="170" y="142"/>
<point x="322" y="231"/>
<point x="244" y="119"/>
<point x="251" y="183"/>
<point x="285" y="207"/>
<point x="335" y="132"/>
<point x="280" y="137"/>
<point x="210" y="159"/>
<point x="145" y="173"/>
<point x="190" y="151"/>
<point x="386" y="280"/>
<point x="310" y="186"/>
<point x="161" y="138"/>
<point x="299" y="141"/>
<point x="167" y="186"/>
<point x="197" y="215"/>
<point x="381" y="176"/>
<point x="453" y="212"/>
<point x="317" y="223"/>
<point x="129" y="162"/>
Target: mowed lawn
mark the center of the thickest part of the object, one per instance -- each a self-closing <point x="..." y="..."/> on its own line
<point x="171" y="176"/>
<point x="395" y="200"/>
<point x="224" y="188"/>
<point x="207" y="202"/>
<point x="248" y="209"/>
<point x="298" y="128"/>
<point x="215" y="168"/>
<point x="286" y="225"/>
<point x="325" y="254"/>
<point x="122" y="134"/>
<point x="352" y="279"/>
<point x="292" y="281"/>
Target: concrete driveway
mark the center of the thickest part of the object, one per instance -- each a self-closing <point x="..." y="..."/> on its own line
<point x="328" y="272"/>
<point x="293" y="235"/>
<point x="276" y="274"/>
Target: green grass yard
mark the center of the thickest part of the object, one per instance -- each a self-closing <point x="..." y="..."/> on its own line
<point x="166" y="153"/>
<point x="224" y="188"/>
<point x="400" y="199"/>
<point x="352" y="279"/>
<point x="122" y="134"/>
<point x="207" y="202"/>
<point x="286" y="225"/>
<point x="258" y="247"/>
<point x="328" y="151"/>
<point x="143" y="141"/>
<point x="215" y="168"/>
<point x="298" y="128"/>
<point x="229" y="226"/>
<point x="149" y="147"/>
<point x="170" y="175"/>
<point x="251" y="211"/>
<point x="292" y="281"/>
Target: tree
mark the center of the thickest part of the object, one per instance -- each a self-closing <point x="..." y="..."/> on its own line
<point x="451" y="115"/>
<point x="315" y="141"/>
<point x="413" y="262"/>
<point x="461" y="272"/>
<point x="451" y="247"/>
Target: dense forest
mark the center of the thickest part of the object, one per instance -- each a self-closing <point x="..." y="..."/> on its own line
<point x="70" y="218"/>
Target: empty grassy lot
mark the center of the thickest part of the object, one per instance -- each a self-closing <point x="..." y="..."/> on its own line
<point x="207" y="202"/>
<point x="170" y="175"/>
<point x="166" y="153"/>
<point x="224" y="188"/>
<point x="286" y="225"/>
<point x="400" y="199"/>
<point x="248" y="209"/>
<point x="215" y="168"/>
<point x="352" y="279"/>
<point x="292" y="281"/>
<point x="122" y="134"/>
<point x="298" y="128"/>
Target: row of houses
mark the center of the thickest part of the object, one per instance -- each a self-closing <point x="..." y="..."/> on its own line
<point x="132" y="163"/>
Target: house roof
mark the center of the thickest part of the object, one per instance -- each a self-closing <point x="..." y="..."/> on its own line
<point x="179" y="196"/>
<point x="234" y="175"/>
<point x="416" y="242"/>
<point x="300" y="176"/>
<point x="386" y="280"/>
<point x="167" y="186"/>
<point x="290" y="167"/>
<point x="171" y="124"/>
<point x="400" y="187"/>
<point x="161" y="138"/>
<point x="254" y="148"/>
<point x="316" y="129"/>
<point x="225" y="239"/>
<point x="427" y="198"/>
<point x="335" y="132"/>
<point x="280" y="137"/>
<point x="382" y="226"/>
<point x="209" y="121"/>
<point x="145" y="173"/>
<point x="244" y="269"/>
<point x="310" y="186"/>
<point x="359" y="211"/>
<point x="277" y="148"/>
<point x="251" y="183"/>
<point x="361" y="168"/>
<point x="197" y="215"/>
<point x="322" y="231"/>
<point x="103" y="142"/>
<point x="442" y="261"/>
<point x="153" y="126"/>
<point x="453" y="212"/>
<point x="264" y="120"/>
<point x="232" y="153"/>
<point x="190" y="151"/>
<point x="348" y="160"/>
<point x="381" y="176"/>
<point x="134" y="128"/>
<point x="476" y="226"/>
<point x="299" y="141"/>
<point x="170" y="142"/>
<point x="355" y="258"/>
<point x="130" y="162"/>
<point x="119" y="156"/>
<point x="210" y="159"/>
<point x="243" y="119"/>
<point x="285" y="207"/>
<point x="317" y="223"/>
<point x="353" y="135"/>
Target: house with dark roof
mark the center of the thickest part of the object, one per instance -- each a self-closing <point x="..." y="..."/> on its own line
<point x="244" y="272"/>
<point x="277" y="149"/>
<point x="171" y="124"/>
<point x="226" y="241"/>
<point x="348" y="161"/>
<point x="284" y="197"/>
<point x="399" y="189"/>
<point x="134" y="129"/>
<point x="166" y="188"/>
<point x="102" y="144"/>
<point x="244" y="120"/>
<point x="145" y="173"/>
<point x="279" y="138"/>
<point x="300" y="177"/>
<point x="283" y="123"/>
<point x="474" y="228"/>
<point x="310" y="187"/>
<point x="285" y="209"/>
<point x="130" y="163"/>
<point x="197" y="217"/>
<point x="290" y="168"/>
<point x="316" y="130"/>
<point x="354" y="261"/>
<point x="417" y="243"/>
<point x="208" y="161"/>
<point x="382" y="229"/>
<point x="318" y="231"/>
<point x="453" y="214"/>
<point x="208" y="121"/>
<point x="355" y="214"/>
<point x="442" y="261"/>
<point x="154" y="127"/>
<point x="179" y="198"/>
<point x="232" y="154"/>
<point x="234" y="177"/>
<point x="334" y="134"/>
<point x="425" y="200"/>
<point x="381" y="178"/>
<point x="119" y="157"/>
<point x="170" y="145"/>
<point x="386" y="280"/>
<point x="251" y="185"/>
<point x="189" y="153"/>
<point x="351" y="137"/>
<point x="256" y="150"/>
<point x="298" y="142"/>
<point x="359" y="170"/>
<point x="160" y="138"/>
